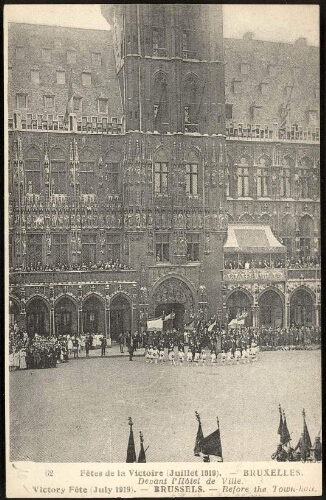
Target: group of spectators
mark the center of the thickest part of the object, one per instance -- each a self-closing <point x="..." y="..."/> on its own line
<point x="261" y="263"/>
<point x="111" y="265"/>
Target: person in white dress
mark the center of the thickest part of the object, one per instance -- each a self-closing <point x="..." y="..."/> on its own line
<point x="229" y="357"/>
<point x="189" y="356"/>
<point x="155" y="354"/>
<point x="203" y="357"/>
<point x="171" y="355"/>
<point x="213" y="356"/>
<point x="181" y="355"/>
<point x="237" y="355"/>
<point x="223" y="357"/>
<point x="161" y="355"/>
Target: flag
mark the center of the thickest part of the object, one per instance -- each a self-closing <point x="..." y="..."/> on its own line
<point x="210" y="328"/>
<point x="280" y="425"/>
<point x="141" y="456"/>
<point x="306" y="436"/>
<point x="69" y="101"/>
<point x="155" y="324"/>
<point x="131" y="452"/>
<point x="211" y="445"/>
<point x="169" y="316"/>
<point x="199" y="437"/>
<point x="285" y="436"/>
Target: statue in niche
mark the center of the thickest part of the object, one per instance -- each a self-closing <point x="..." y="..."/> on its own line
<point x="150" y="243"/>
<point x="223" y="222"/>
<point x="175" y="244"/>
<point x="138" y="221"/>
<point x="150" y="219"/>
<point x="180" y="219"/>
<point x="125" y="218"/>
<point x="30" y="187"/>
<point x="131" y="218"/>
<point x="183" y="246"/>
<point x="207" y="243"/>
<point x="48" y="243"/>
<point x="143" y="219"/>
<point x="213" y="178"/>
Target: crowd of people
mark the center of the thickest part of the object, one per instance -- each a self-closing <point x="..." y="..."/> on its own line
<point x="206" y="341"/>
<point x="111" y="265"/>
<point x="267" y="262"/>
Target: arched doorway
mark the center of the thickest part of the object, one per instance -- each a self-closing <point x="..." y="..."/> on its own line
<point x="270" y="309"/>
<point x="301" y="308"/>
<point x="237" y="304"/>
<point x="14" y="311"/>
<point x="37" y="317"/>
<point x="93" y="315"/>
<point x="168" y="308"/>
<point x="120" y="316"/>
<point x="65" y="317"/>
<point x="173" y="295"/>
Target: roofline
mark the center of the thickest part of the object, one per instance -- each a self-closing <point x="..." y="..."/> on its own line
<point x="253" y="40"/>
<point x="58" y="26"/>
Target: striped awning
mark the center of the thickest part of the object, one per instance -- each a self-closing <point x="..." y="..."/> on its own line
<point x="253" y="239"/>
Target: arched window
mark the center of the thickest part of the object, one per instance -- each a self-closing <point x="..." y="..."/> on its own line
<point x="112" y="173"/>
<point x="191" y="104"/>
<point x="285" y="181"/>
<point x="306" y="228"/>
<point x="158" y="30"/>
<point x="33" y="171"/>
<point x="243" y="172"/>
<point x="263" y="176"/>
<point x="288" y="235"/>
<point x="161" y="172"/>
<point x="58" y="172"/>
<point x="305" y="166"/>
<point x="87" y="172"/>
<point x="192" y="174"/>
<point x="160" y="103"/>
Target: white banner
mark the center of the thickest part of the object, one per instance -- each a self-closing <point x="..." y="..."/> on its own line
<point x="155" y="324"/>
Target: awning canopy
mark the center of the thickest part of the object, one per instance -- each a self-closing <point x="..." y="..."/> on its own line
<point x="253" y="239"/>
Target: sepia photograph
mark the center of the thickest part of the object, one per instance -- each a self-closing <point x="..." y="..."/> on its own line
<point x="163" y="245"/>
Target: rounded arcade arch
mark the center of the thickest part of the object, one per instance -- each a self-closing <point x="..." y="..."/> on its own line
<point x="302" y="307"/>
<point x="37" y="316"/>
<point x="239" y="302"/>
<point x="94" y="314"/>
<point x="120" y="315"/>
<point x="271" y="308"/>
<point x="66" y="316"/>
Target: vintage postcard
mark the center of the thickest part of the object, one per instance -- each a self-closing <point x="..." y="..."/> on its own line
<point x="162" y="250"/>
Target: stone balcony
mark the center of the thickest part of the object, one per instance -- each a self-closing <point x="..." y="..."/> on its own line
<point x="254" y="275"/>
<point x="58" y="277"/>
<point x="270" y="275"/>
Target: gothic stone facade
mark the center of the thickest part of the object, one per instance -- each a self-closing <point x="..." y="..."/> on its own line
<point x="121" y="149"/>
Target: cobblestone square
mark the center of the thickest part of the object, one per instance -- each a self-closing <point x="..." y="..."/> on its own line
<point x="78" y="412"/>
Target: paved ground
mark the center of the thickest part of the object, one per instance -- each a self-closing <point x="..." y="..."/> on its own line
<point x="78" y="412"/>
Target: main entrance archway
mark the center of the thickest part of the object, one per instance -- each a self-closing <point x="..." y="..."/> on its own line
<point x="237" y="304"/>
<point x="120" y="316"/>
<point x="173" y="295"/>
<point x="270" y="309"/>
<point x="37" y="317"/>
<point x="65" y="317"/>
<point x="93" y="315"/>
<point x="301" y="308"/>
<point x="168" y="308"/>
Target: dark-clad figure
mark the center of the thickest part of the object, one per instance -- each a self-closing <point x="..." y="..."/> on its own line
<point x="280" y="455"/>
<point x="131" y="349"/>
<point x="103" y="346"/>
<point x="121" y="342"/>
<point x="317" y="449"/>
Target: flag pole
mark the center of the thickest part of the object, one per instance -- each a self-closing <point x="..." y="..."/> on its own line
<point x="218" y="427"/>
